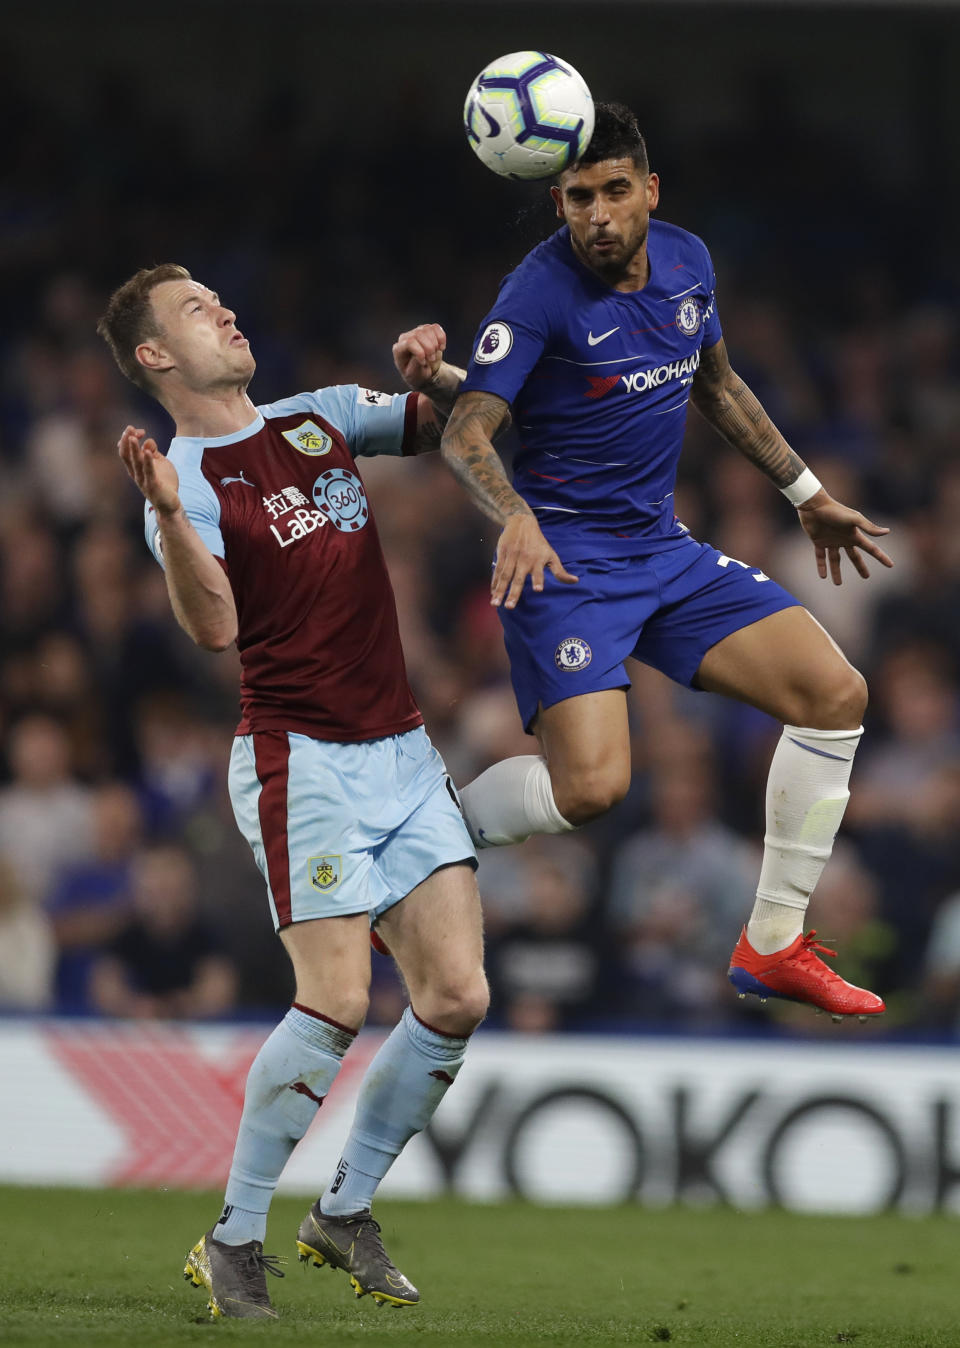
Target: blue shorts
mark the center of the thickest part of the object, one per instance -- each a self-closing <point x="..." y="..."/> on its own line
<point x="344" y="828"/>
<point x="665" y="609"/>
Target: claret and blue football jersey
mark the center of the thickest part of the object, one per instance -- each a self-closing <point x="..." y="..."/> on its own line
<point x="599" y="380"/>
<point x="282" y="504"/>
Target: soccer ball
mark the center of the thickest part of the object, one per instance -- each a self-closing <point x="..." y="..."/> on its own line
<point x="528" y="115"/>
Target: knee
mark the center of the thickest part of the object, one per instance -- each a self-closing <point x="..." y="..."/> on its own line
<point x="455" y="1008"/>
<point x="346" y="1006"/>
<point x="839" y="705"/>
<point x="585" y="795"/>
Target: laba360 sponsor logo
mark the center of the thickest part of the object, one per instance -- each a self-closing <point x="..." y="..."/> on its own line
<point x="294" y="518"/>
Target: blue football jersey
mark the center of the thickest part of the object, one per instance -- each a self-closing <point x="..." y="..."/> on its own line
<point x="599" y="380"/>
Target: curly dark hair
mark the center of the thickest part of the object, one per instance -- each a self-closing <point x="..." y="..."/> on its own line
<point x="616" y="135"/>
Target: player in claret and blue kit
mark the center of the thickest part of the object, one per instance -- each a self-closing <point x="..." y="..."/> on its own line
<point x="598" y="341"/>
<point x="261" y="522"/>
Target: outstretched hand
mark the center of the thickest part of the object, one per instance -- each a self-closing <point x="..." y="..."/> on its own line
<point x="523" y="551"/>
<point x="418" y="354"/>
<point x="832" y="528"/>
<point x="153" y="473"/>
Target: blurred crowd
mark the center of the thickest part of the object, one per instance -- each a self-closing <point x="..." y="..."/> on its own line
<point x="125" y="888"/>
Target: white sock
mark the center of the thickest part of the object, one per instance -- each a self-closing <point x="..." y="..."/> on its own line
<point x="806" y="797"/>
<point x="510" y="801"/>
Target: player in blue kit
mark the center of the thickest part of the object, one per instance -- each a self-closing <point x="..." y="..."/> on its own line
<point x="598" y="341"/>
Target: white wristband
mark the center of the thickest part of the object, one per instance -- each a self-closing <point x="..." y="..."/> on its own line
<point x="800" y="491"/>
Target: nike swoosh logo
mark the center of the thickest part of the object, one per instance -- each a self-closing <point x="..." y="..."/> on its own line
<point x="593" y="341"/>
<point x="821" y="753"/>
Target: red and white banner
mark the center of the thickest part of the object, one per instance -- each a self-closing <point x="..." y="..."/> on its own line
<point x="816" y="1127"/>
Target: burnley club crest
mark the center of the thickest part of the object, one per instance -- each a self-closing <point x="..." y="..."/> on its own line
<point x="325" y="872"/>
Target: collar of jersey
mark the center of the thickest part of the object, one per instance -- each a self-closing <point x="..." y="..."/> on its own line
<point x="212" y="441"/>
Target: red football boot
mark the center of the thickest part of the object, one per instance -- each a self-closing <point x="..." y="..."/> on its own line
<point x="796" y="974"/>
<point x="378" y="943"/>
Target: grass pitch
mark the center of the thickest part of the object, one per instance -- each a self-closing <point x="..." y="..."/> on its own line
<point x="102" y="1268"/>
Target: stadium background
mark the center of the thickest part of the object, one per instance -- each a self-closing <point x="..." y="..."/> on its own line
<point x="307" y="161"/>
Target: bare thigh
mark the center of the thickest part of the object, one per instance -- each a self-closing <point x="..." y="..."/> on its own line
<point x="586" y="742"/>
<point x="788" y="666"/>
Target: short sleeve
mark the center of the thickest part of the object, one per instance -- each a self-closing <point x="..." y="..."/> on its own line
<point x="510" y="341"/>
<point x="369" y="421"/>
<point x="712" y="331"/>
<point x="199" y="502"/>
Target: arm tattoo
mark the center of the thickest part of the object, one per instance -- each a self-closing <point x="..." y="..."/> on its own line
<point x="436" y="403"/>
<point x="468" y="449"/>
<point x="723" y="399"/>
<point x="442" y="390"/>
<point x="430" y="432"/>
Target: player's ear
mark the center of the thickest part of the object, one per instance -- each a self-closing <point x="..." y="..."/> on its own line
<point x="653" y="191"/>
<point x="557" y="201"/>
<point x="153" y="357"/>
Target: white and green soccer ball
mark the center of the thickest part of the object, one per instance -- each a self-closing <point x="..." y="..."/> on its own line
<point x="528" y="115"/>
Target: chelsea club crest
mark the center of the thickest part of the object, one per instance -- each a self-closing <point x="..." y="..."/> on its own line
<point x="572" y="655"/>
<point x="688" y="317"/>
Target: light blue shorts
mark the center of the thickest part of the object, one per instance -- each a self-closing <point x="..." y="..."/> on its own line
<point x="344" y="828"/>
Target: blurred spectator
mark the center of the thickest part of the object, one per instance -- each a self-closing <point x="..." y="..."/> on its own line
<point x="916" y="697"/>
<point x="64" y="446"/>
<point x="924" y="614"/>
<point x="929" y="353"/>
<point x="680" y="892"/>
<point x="489" y="729"/>
<point x="545" y="963"/>
<point x="233" y="900"/>
<point x="92" y="897"/>
<point x="178" y="762"/>
<point x="62" y="684"/>
<point x="44" y="813"/>
<point x="847" y="611"/>
<point x="915" y="859"/>
<point x="32" y="596"/>
<point x="940" y="1004"/>
<point x="165" y="961"/>
<point x="27" y="951"/>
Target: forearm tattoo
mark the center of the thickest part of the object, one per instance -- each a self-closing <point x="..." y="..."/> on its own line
<point x="441" y="395"/>
<point x="443" y="389"/>
<point x="728" y="404"/>
<point x="468" y="449"/>
<point x="430" y="433"/>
